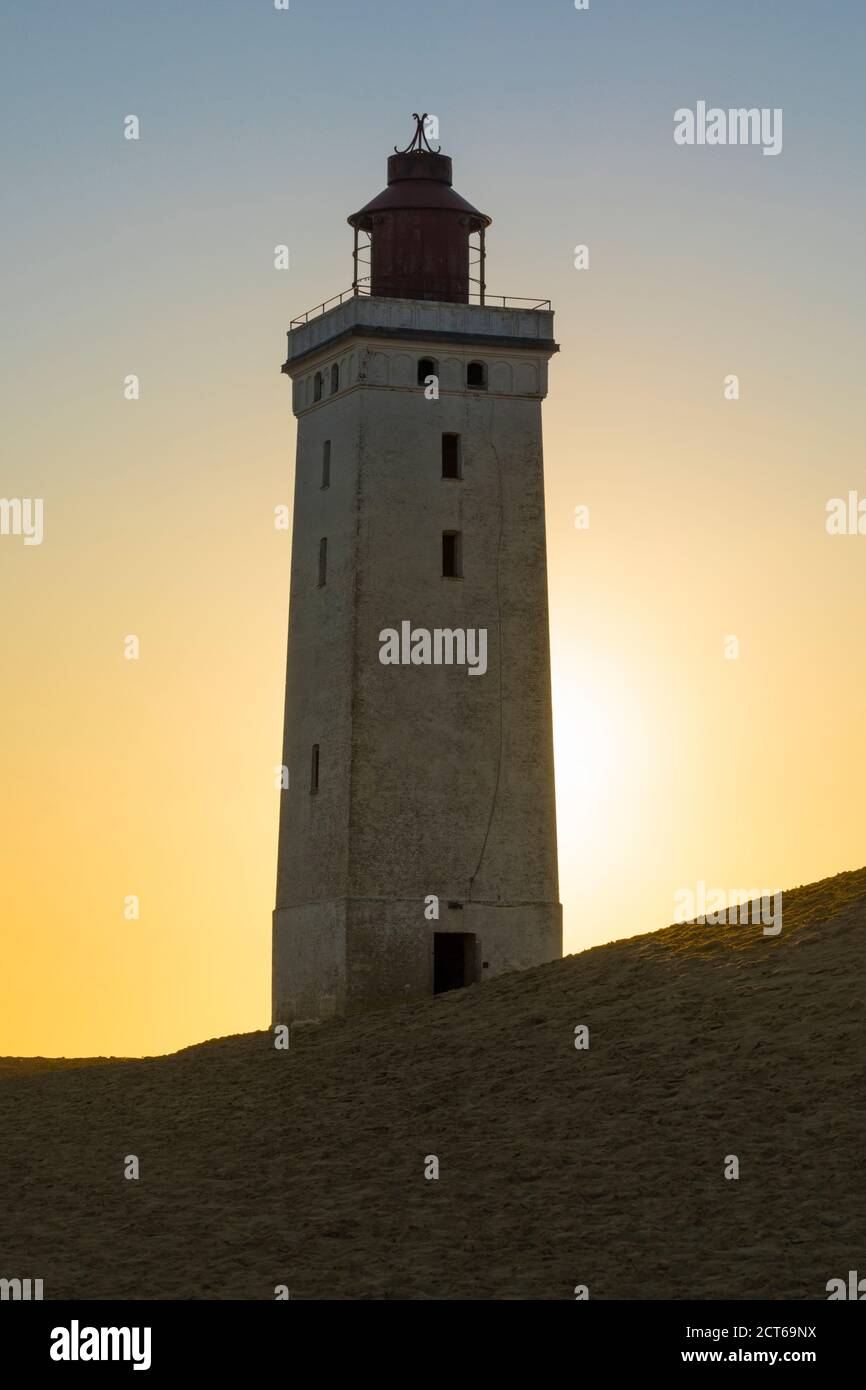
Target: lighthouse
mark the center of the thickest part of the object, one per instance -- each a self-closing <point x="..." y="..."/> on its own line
<point x="417" y="840"/>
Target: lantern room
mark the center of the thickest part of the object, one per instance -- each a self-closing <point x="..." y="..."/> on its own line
<point x="418" y="231"/>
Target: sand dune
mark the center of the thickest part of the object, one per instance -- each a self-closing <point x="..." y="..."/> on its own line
<point x="557" y="1167"/>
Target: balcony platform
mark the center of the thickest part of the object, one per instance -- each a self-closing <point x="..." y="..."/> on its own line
<point x="521" y="323"/>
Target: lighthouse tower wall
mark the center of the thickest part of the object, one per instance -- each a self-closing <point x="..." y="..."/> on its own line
<point x="431" y="782"/>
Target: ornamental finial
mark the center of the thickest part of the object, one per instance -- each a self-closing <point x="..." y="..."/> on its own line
<point x="419" y="141"/>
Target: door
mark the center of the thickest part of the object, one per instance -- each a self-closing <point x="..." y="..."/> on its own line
<point x="453" y="960"/>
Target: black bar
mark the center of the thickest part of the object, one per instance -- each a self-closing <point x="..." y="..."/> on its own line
<point x="244" y="1338"/>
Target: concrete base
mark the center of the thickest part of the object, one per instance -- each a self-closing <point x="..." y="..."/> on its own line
<point x="347" y="956"/>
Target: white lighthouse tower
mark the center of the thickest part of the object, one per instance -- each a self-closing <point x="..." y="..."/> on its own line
<point x="417" y="847"/>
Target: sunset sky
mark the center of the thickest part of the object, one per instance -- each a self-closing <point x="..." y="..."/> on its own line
<point x="707" y="516"/>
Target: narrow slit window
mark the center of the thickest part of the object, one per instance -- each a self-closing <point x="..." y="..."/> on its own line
<point x="335" y="378"/>
<point x="326" y="463"/>
<point x="317" y="386"/>
<point x="314" y="769"/>
<point x="451" y="456"/>
<point x="452" y="555"/>
<point x="476" y="376"/>
<point x="323" y="561"/>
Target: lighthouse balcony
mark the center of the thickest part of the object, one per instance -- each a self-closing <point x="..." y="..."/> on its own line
<point x="500" y="321"/>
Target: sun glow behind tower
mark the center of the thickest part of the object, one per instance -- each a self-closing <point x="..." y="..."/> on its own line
<point x="157" y="777"/>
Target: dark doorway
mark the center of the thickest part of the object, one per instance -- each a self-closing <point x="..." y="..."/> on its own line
<point x="453" y="960"/>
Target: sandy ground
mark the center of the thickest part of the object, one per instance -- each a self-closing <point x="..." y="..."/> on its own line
<point x="558" y="1167"/>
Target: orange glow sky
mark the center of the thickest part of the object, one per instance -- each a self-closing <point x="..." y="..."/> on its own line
<point x="707" y="517"/>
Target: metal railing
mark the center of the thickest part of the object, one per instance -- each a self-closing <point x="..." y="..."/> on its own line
<point x="352" y="293"/>
<point x="496" y="301"/>
<point x="510" y="301"/>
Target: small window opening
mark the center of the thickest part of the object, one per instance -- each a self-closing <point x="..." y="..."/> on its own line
<point x="451" y="456"/>
<point x="326" y="463"/>
<point x="476" y="376"/>
<point x="427" y="366"/>
<point x="452" y="555"/>
<point x="323" y="561"/>
<point x="335" y="378"/>
<point x="317" y="386"/>
<point x="314" y="769"/>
